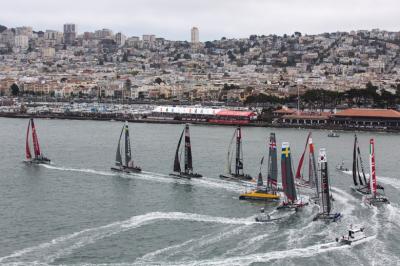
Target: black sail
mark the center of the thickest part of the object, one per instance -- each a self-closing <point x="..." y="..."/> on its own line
<point x="239" y="159"/>
<point x="287" y="174"/>
<point x="118" y="158"/>
<point x="362" y="165"/>
<point x="128" y="152"/>
<point x="272" y="178"/>
<point x="325" y="193"/>
<point x="188" y="152"/>
<point x="177" y="164"/>
<point x="355" y="161"/>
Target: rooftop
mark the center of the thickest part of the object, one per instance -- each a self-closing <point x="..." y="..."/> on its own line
<point x="364" y="112"/>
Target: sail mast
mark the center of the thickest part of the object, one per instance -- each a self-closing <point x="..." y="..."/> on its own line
<point x="272" y="163"/>
<point x="325" y="194"/>
<point x="27" y="148"/>
<point x="313" y="175"/>
<point x="35" y="139"/>
<point x="118" y="157"/>
<point x="355" y="161"/>
<point x="177" y="164"/>
<point x="287" y="174"/>
<point x="239" y="160"/>
<point x="372" y="167"/>
<point x="188" y="151"/>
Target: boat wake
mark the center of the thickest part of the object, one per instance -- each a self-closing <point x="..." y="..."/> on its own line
<point x="151" y="176"/>
<point x="394" y="182"/>
<point x="62" y="246"/>
<point x="81" y="170"/>
<point x="273" y="255"/>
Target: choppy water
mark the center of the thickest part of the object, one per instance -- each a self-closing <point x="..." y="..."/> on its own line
<point x="77" y="212"/>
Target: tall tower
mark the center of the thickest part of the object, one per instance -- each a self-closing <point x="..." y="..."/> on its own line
<point x="69" y="33"/>
<point x="194" y="35"/>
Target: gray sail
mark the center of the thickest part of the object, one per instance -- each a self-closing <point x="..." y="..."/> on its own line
<point x="272" y="178"/>
<point x="260" y="181"/>
<point x="188" y="152"/>
<point x="128" y="152"/>
<point x="325" y="193"/>
<point x="177" y="164"/>
<point x="118" y="158"/>
<point x="287" y="174"/>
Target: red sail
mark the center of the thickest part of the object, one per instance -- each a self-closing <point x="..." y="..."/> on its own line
<point x="372" y="163"/>
<point x="27" y="148"/>
<point x="35" y="140"/>
<point x="298" y="172"/>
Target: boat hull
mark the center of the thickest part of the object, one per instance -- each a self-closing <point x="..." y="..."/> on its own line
<point x="186" y="175"/>
<point x="38" y="161"/>
<point x="236" y="177"/>
<point x="378" y="200"/>
<point x="259" y="196"/>
<point x="126" y="169"/>
<point x="328" y="217"/>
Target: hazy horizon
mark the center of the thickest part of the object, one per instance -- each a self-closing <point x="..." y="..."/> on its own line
<point x="215" y="19"/>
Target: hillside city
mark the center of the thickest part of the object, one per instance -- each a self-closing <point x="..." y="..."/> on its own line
<point x="107" y="65"/>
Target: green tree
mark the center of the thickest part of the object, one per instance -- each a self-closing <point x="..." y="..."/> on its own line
<point x="14" y="89"/>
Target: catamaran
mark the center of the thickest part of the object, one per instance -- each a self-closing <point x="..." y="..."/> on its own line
<point x="362" y="186"/>
<point x="127" y="166"/>
<point x="289" y="186"/>
<point x="268" y="192"/>
<point x="291" y="202"/>
<point x="326" y="199"/>
<point x="38" y="158"/>
<point x="238" y="174"/>
<point x="312" y="180"/>
<point x="375" y="197"/>
<point x="188" y="161"/>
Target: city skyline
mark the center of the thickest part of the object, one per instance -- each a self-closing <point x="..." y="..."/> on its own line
<point x="216" y="20"/>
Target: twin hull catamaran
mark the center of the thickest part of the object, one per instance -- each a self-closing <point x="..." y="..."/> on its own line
<point x="312" y="180"/>
<point x="375" y="197"/>
<point x="126" y="166"/>
<point x="361" y="185"/>
<point x="238" y="174"/>
<point x="325" y="196"/>
<point x="38" y="157"/>
<point x="268" y="192"/>
<point x="188" y="160"/>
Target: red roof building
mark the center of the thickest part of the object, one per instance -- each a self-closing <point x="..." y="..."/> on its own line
<point x="367" y="118"/>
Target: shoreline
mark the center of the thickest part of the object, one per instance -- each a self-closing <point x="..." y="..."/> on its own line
<point x="176" y="122"/>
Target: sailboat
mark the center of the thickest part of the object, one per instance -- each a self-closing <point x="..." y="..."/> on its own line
<point x="359" y="178"/>
<point x="238" y="174"/>
<point x="268" y="192"/>
<point x="326" y="199"/>
<point x="291" y="201"/>
<point x="312" y="180"/>
<point x="38" y="157"/>
<point x="127" y="166"/>
<point x="375" y="197"/>
<point x="188" y="160"/>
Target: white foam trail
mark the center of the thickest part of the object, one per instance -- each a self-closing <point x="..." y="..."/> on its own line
<point x="194" y="244"/>
<point x="64" y="245"/>
<point x="150" y="176"/>
<point x="394" y="182"/>
<point x="89" y="171"/>
<point x="273" y="255"/>
<point x="345" y="199"/>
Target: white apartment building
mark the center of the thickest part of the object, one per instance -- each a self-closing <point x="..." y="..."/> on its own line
<point x="21" y="42"/>
<point x="149" y="38"/>
<point x="194" y="36"/>
<point x="120" y="39"/>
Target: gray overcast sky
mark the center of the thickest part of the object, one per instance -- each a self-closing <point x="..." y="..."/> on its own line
<point x="172" y="19"/>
